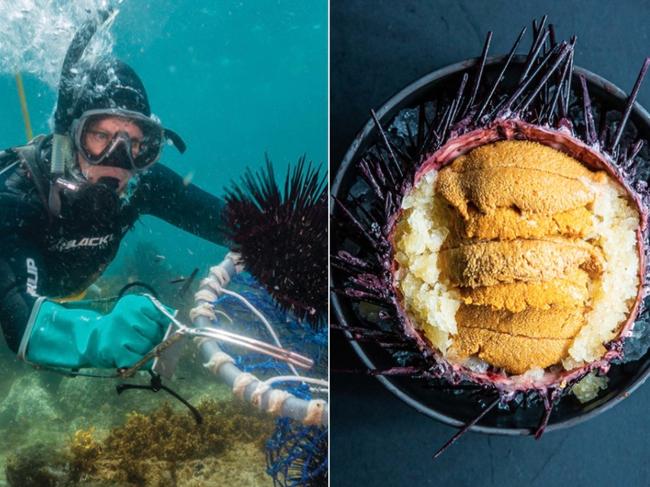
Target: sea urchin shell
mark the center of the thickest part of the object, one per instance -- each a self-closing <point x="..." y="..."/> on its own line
<point x="281" y="235"/>
<point x="536" y="100"/>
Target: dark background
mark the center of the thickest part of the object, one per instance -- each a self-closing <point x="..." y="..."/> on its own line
<point x="377" y="48"/>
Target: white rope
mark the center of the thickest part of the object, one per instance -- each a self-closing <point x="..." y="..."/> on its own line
<point x="256" y="312"/>
<point x="276" y="401"/>
<point x="205" y="295"/>
<point x="216" y="280"/>
<point x="203" y="309"/>
<point x="237" y="260"/>
<point x="315" y="409"/>
<point x="241" y="340"/>
<point x="256" y="396"/>
<point x="241" y="382"/>
<point x="210" y="289"/>
<point x="217" y="360"/>
<point x="206" y="310"/>
<point x="219" y="275"/>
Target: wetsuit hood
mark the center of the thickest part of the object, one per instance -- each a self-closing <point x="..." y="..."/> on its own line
<point x="110" y="84"/>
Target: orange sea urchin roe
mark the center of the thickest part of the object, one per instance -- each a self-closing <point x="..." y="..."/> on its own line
<point x="517" y="252"/>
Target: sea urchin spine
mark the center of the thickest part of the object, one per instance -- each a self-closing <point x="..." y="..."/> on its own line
<point x="281" y="235"/>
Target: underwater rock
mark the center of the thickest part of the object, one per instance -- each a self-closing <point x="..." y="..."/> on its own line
<point x="38" y="465"/>
<point x="28" y="401"/>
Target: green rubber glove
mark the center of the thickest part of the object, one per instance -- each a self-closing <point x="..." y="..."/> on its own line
<point x="77" y="338"/>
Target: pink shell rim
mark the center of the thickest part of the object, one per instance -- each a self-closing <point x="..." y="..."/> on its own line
<point x="514" y="129"/>
<point x="386" y="112"/>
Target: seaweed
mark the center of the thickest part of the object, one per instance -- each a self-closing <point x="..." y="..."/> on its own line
<point x="164" y="443"/>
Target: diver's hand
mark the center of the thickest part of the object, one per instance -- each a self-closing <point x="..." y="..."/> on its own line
<point x="75" y="338"/>
<point x="129" y="332"/>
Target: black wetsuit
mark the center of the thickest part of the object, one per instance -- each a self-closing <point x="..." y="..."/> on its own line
<point x="41" y="255"/>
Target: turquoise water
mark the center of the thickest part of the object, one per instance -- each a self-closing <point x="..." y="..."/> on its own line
<point x="236" y="80"/>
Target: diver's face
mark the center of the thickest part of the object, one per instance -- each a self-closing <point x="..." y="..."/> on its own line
<point x="97" y="137"/>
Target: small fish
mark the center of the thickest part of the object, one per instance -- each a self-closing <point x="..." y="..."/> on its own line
<point x="189" y="281"/>
<point x="159" y="258"/>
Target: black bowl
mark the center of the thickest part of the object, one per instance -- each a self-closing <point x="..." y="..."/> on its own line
<point x="458" y="407"/>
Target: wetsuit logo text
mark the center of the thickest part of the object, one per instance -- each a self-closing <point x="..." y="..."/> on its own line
<point x="32" y="277"/>
<point x="84" y="242"/>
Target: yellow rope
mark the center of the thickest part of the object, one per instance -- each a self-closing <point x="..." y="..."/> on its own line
<point x="30" y="136"/>
<point x="73" y="297"/>
<point x="23" y="107"/>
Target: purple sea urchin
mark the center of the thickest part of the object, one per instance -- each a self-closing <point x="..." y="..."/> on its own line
<point x="281" y="234"/>
<point x="531" y="99"/>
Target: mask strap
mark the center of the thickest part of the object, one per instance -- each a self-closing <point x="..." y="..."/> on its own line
<point x="176" y="140"/>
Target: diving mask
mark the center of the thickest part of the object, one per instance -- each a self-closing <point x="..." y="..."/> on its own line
<point x="121" y="149"/>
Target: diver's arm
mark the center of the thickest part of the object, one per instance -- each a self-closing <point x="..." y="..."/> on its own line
<point x="163" y="194"/>
<point x="44" y="332"/>
<point x="21" y="272"/>
<point x="17" y="268"/>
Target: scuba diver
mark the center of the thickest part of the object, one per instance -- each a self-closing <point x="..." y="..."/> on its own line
<point x="59" y="229"/>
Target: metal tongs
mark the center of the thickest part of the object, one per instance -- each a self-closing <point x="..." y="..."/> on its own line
<point x="181" y="331"/>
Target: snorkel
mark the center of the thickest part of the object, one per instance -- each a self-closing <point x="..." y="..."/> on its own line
<point x="62" y="147"/>
<point x="128" y="99"/>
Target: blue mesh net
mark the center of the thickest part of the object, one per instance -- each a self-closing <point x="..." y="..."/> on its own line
<point x="294" y="335"/>
<point x="296" y="454"/>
